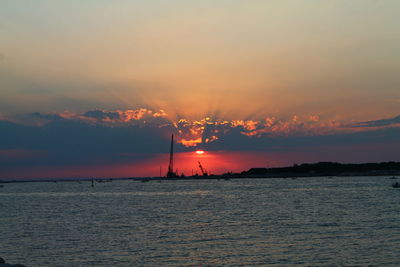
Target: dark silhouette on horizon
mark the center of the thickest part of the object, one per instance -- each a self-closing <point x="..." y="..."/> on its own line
<point x="327" y="169"/>
<point x="171" y="172"/>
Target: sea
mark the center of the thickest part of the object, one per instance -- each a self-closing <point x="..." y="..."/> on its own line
<point x="319" y="221"/>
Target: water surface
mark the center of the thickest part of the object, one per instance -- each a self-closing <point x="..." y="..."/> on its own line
<point x="346" y="221"/>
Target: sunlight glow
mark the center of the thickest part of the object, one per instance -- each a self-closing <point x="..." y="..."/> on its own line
<point x="199" y="152"/>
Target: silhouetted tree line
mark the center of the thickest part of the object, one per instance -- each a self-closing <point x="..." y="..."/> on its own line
<point x="326" y="168"/>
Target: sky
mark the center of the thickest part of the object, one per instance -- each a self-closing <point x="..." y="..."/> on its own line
<point x="96" y="88"/>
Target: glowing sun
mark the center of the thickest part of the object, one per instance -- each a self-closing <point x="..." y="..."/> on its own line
<point x="199" y="152"/>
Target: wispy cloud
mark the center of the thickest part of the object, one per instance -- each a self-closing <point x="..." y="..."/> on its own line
<point x="379" y="123"/>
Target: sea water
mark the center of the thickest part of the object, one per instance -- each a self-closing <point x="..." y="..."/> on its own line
<point x="322" y="221"/>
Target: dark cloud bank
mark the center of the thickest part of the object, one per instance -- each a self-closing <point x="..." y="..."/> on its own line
<point x="62" y="142"/>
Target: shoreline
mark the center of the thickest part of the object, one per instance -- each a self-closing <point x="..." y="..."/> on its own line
<point x="319" y="169"/>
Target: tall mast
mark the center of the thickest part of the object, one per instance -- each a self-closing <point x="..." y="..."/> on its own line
<point x="170" y="172"/>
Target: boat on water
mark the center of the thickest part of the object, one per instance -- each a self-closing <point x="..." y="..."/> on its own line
<point x="396" y="185"/>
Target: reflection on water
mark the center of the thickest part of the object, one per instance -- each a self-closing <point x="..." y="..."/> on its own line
<point x="104" y="194"/>
<point x="312" y="221"/>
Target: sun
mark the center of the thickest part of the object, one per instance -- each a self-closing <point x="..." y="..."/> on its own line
<point x="199" y="152"/>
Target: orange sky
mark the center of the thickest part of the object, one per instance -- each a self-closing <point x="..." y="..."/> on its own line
<point x="227" y="59"/>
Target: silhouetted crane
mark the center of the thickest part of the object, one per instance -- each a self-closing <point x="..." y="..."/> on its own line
<point x="203" y="171"/>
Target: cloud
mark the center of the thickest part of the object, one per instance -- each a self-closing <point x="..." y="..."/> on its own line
<point x="194" y="133"/>
<point x="190" y="133"/>
<point x="379" y="123"/>
<point x="78" y="142"/>
<point x="123" y="137"/>
<point x="142" y="114"/>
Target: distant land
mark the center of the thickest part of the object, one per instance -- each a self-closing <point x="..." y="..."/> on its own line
<point x="302" y="170"/>
<point x="326" y="169"/>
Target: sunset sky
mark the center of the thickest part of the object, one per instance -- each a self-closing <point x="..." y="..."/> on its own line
<point x="95" y="88"/>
